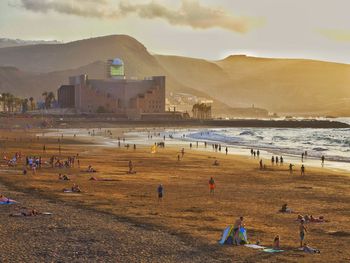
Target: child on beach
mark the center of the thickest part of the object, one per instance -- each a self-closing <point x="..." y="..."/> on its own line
<point x="302" y="231"/>
<point x="302" y="170"/>
<point x="211" y="185"/>
<point x="236" y="227"/>
<point x="276" y="242"/>
<point x="160" y="191"/>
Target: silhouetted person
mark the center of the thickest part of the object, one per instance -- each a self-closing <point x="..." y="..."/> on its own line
<point x="322" y="160"/>
<point x="291" y="168"/>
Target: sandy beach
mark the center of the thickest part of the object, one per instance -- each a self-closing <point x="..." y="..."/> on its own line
<point x="121" y="220"/>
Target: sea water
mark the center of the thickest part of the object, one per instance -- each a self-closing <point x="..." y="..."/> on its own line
<point x="290" y="143"/>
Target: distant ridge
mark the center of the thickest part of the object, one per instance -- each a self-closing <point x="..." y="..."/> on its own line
<point x="8" y="42"/>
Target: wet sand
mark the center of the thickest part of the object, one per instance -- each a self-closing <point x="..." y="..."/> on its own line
<point x="188" y="213"/>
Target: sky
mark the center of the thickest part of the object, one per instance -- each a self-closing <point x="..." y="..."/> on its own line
<point x="209" y="29"/>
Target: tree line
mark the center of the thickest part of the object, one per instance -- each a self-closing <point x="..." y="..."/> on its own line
<point x="12" y="103"/>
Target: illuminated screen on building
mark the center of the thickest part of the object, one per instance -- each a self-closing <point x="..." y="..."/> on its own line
<point x="117" y="70"/>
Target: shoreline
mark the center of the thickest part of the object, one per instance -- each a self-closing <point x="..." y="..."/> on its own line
<point x="110" y="120"/>
<point x="136" y="137"/>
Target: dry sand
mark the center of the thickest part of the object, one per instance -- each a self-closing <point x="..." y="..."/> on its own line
<point x="103" y="221"/>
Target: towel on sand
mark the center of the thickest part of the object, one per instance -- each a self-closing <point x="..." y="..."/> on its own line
<point x="271" y="250"/>
<point x="254" y="246"/>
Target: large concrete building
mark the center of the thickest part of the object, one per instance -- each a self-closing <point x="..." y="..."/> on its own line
<point x="115" y="94"/>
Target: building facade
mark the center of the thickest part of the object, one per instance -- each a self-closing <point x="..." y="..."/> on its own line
<point x="115" y="94"/>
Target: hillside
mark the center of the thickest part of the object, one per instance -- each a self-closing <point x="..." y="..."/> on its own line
<point x="58" y="57"/>
<point x="289" y="85"/>
<point x="285" y="86"/>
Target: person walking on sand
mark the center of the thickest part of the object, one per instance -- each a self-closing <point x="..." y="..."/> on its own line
<point x="281" y="160"/>
<point x="302" y="231"/>
<point x="160" y="191"/>
<point x="258" y="153"/>
<point x="182" y="152"/>
<point x="178" y="157"/>
<point x="291" y="168"/>
<point x="261" y="164"/>
<point x="322" y="160"/>
<point x="302" y="170"/>
<point x="226" y="150"/>
<point x="131" y="167"/>
<point x="272" y="160"/>
<point x="211" y="185"/>
<point x="302" y="157"/>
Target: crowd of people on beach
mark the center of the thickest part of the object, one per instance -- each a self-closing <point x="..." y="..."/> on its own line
<point x="35" y="162"/>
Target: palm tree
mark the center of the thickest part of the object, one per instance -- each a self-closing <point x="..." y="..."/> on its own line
<point x="31" y="99"/>
<point x="4" y="98"/>
<point x="50" y="99"/>
<point x="24" y="105"/>
<point x="45" y="98"/>
<point x="10" y="102"/>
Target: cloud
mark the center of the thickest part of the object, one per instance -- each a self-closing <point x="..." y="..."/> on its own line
<point x="190" y="13"/>
<point x="90" y="8"/>
<point x="336" y="35"/>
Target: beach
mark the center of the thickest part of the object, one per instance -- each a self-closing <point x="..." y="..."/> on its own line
<point x="111" y="219"/>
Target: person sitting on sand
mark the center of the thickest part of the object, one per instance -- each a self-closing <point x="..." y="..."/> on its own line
<point x="211" y="185"/>
<point x="311" y="250"/>
<point x="216" y="163"/>
<point x="276" y="242"/>
<point x="285" y="209"/>
<point x="90" y="169"/>
<point x="65" y="178"/>
<point x="300" y="218"/>
<point x="76" y="188"/>
<point x="236" y="227"/>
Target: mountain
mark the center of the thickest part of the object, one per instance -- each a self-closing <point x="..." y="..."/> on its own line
<point x="58" y="57"/>
<point x="289" y="85"/>
<point x="284" y="86"/>
<point x="7" y="42"/>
